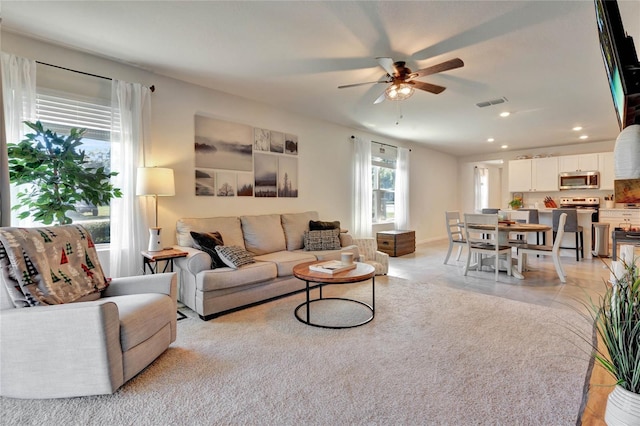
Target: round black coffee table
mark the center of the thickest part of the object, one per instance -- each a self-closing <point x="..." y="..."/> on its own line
<point x="361" y="272"/>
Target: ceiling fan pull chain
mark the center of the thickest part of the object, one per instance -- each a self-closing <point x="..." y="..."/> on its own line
<point x="399" y="111"/>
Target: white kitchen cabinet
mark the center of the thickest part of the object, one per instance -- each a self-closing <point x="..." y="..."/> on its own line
<point x="520" y="176"/>
<point x="582" y="162"/>
<point x="607" y="174"/>
<point x="536" y="174"/>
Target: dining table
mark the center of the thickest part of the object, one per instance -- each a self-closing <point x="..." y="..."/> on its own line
<point x="505" y="228"/>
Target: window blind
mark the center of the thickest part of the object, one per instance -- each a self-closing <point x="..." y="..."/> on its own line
<point x="60" y="111"/>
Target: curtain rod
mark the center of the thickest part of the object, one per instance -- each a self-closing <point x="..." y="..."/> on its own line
<point x="152" y="88"/>
<point x="382" y="143"/>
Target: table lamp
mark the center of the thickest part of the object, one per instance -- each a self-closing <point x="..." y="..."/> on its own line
<point x="157" y="182"/>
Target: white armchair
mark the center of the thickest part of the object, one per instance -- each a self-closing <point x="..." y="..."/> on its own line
<point x="65" y="330"/>
<point x="86" y="348"/>
<point x="369" y="253"/>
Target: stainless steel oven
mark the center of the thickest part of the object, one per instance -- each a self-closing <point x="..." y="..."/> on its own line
<point x="579" y="180"/>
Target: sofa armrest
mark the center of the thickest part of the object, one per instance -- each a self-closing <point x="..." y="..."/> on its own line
<point x="40" y="353"/>
<point x="346" y="239"/>
<point x="196" y="260"/>
<point x="382" y="257"/>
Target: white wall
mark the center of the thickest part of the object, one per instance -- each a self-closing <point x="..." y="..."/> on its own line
<point x="325" y="150"/>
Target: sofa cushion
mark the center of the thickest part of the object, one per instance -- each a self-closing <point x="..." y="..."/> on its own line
<point x="225" y="278"/>
<point x="142" y="316"/>
<point x="286" y="260"/>
<point x="322" y="240"/>
<point x="229" y="227"/>
<point x="207" y="242"/>
<point x="320" y="225"/>
<point x="234" y="256"/>
<point x="263" y="234"/>
<point x="294" y="225"/>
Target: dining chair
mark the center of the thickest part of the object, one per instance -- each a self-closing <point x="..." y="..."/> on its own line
<point x="521" y="216"/>
<point x="485" y="243"/>
<point x="534" y="217"/>
<point x="454" y="231"/>
<point x="571" y="225"/>
<point x="489" y="211"/>
<point x="553" y="251"/>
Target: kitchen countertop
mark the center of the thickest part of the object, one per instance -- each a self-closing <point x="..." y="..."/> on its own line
<point x="580" y="211"/>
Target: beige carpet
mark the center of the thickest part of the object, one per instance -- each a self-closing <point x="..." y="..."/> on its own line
<point x="431" y="356"/>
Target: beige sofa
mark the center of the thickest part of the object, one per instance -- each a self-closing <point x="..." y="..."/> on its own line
<point x="275" y="240"/>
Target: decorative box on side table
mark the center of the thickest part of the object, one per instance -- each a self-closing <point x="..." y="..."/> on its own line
<point x="396" y="243"/>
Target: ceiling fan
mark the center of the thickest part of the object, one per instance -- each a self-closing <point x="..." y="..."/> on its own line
<point x="403" y="80"/>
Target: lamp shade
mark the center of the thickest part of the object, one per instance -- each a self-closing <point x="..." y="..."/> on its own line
<point x="155" y="181"/>
<point x="627" y="153"/>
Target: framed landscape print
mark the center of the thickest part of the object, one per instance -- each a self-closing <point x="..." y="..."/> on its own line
<point x="287" y="177"/>
<point x="223" y="145"/>
<point x="235" y="159"/>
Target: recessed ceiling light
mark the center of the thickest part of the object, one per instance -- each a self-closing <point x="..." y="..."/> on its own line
<point x="577" y="128"/>
<point x="491" y="140"/>
<point x="584" y="137"/>
<point x="505" y="114"/>
<point x="504" y="146"/>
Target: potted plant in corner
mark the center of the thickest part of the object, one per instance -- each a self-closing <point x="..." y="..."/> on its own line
<point x="59" y="176"/>
<point x="616" y="317"/>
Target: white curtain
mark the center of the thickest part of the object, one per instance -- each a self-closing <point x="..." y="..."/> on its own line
<point x="481" y="188"/>
<point x="129" y="136"/>
<point x="19" y="104"/>
<point x="362" y="190"/>
<point x="402" y="189"/>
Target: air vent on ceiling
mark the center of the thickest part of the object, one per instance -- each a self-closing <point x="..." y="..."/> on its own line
<point x="491" y="102"/>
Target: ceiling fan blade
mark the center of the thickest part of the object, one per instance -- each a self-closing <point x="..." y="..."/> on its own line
<point x="387" y="65"/>
<point x="445" y="66"/>
<point x="432" y="88"/>
<point x="362" y="84"/>
<point x="379" y="99"/>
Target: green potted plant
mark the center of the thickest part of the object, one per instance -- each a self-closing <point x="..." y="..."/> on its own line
<point x="515" y="204"/>
<point x="58" y="174"/>
<point x="616" y="316"/>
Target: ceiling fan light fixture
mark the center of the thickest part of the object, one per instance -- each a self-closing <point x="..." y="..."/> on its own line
<point x="399" y="91"/>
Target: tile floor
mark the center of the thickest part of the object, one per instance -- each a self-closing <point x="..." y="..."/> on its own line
<point x="585" y="279"/>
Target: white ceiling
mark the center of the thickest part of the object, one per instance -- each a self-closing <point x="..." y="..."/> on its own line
<point x="543" y="56"/>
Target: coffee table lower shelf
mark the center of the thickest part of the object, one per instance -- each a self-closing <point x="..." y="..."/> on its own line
<point x="363" y="272"/>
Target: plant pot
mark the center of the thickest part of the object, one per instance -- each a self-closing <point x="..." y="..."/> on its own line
<point x="623" y="408"/>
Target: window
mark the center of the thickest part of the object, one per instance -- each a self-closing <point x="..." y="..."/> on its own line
<point x="481" y="188"/>
<point x="383" y="169"/>
<point x="60" y="111"/>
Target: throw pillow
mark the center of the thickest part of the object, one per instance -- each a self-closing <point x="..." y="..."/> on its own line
<point x="319" y="225"/>
<point x="234" y="256"/>
<point x="322" y="240"/>
<point x="207" y="242"/>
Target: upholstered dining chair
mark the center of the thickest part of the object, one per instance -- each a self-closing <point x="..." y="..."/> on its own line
<point x="485" y="242"/>
<point x="543" y="250"/>
<point x="534" y="217"/>
<point x="490" y="211"/>
<point x="571" y="225"/>
<point x="369" y="253"/>
<point x="454" y="231"/>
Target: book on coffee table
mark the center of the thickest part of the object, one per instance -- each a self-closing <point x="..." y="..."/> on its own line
<point x="331" y="267"/>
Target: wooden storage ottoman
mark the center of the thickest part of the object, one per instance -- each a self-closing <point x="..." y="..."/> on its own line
<point x="396" y="243"/>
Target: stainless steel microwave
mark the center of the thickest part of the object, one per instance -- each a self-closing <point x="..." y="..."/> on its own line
<point x="579" y="180"/>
